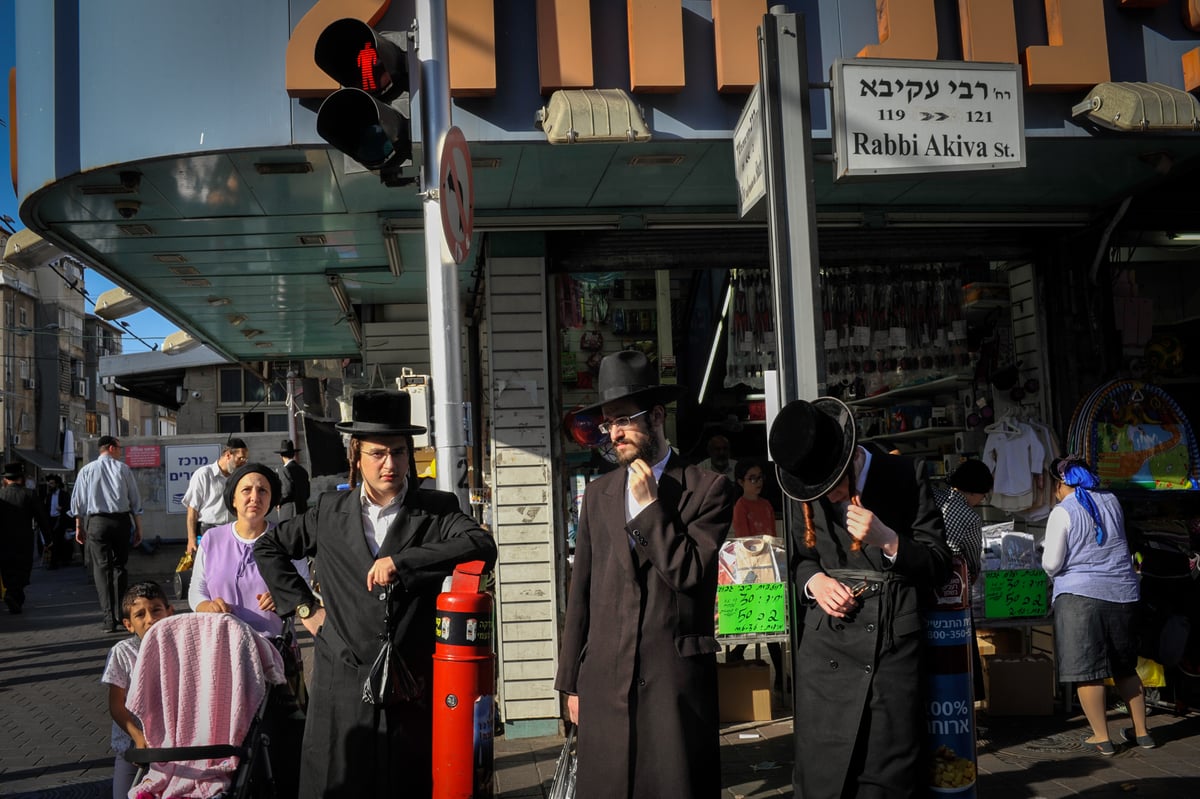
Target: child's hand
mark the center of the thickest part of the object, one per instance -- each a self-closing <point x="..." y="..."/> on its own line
<point x="265" y="602"/>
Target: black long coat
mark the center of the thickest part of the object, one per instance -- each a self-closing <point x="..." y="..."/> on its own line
<point x="351" y="749"/>
<point x="294" y="485"/>
<point x="859" y="715"/>
<point x="19" y="509"/>
<point x="638" y="645"/>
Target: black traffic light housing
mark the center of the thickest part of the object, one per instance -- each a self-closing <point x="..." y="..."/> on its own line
<point x="368" y="119"/>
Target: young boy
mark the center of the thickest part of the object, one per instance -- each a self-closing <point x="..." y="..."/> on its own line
<point x="142" y="606"/>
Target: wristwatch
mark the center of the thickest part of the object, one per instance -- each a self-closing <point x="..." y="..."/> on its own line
<point x="305" y="609"/>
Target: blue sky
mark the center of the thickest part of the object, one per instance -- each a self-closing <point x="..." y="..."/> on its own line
<point x="146" y="324"/>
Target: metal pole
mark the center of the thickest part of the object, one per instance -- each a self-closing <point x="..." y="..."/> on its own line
<point x="291" y="404"/>
<point x="445" y="317"/>
<point x="791" y="205"/>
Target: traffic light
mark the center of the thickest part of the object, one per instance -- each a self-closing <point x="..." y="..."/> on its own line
<point x="368" y="119"/>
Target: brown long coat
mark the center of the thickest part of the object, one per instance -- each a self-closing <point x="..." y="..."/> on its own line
<point x="638" y="646"/>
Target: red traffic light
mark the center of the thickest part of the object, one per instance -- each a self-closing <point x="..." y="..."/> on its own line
<point x="357" y="56"/>
<point x="369" y="119"/>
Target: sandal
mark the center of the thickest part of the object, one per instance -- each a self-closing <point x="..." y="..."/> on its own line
<point x="1145" y="741"/>
<point x="1098" y="747"/>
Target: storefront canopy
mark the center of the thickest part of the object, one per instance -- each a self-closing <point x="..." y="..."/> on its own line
<point x="47" y="463"/>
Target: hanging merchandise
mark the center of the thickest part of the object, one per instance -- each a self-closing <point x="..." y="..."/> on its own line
<point x="890" y="327"/>
<point x="750" y="329"/>
<point x="1135" y="436"/>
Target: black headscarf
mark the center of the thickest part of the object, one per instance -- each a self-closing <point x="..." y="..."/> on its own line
<point x="232" y="481"/>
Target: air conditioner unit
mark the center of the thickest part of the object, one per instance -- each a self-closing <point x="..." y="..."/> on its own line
<point x="419" y="388"/>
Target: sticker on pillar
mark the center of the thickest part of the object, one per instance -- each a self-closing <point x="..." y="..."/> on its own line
<point x="484" y="760"/>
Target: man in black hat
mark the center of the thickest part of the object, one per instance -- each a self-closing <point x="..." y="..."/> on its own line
<point x="19" y="509"/>
<point x="293" y="479"/>
<point x="638" y="656"/>
<point x="57" y="504"/>
<point x="871" y="543"/>
<point x="383" y="549"/>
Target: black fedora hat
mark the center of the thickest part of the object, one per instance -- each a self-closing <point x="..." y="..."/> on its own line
<point x="14" y="471"/>
<point x="287" y="448"/>
<point x="629" y="374"/>
<point x="380" y="412"/>
<point x="812" y="444"/>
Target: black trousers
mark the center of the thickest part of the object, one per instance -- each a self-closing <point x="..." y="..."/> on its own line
<point x="62" y="547"/>
<point x="107" y="544"/>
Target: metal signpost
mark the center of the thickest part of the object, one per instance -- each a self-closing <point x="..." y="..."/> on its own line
<point x="791" y="206"/>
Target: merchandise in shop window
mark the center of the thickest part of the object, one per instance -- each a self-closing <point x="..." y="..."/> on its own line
<point x="750" y="329"/>
<point x="892" y="327"/>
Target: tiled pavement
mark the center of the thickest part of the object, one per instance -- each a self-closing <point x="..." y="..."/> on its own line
<point x="54" y="725"/>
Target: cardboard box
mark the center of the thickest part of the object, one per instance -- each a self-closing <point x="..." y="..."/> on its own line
<point x="1019" y="685"/>
<point x="999" y="642"/>
<point x="744" y="691"/>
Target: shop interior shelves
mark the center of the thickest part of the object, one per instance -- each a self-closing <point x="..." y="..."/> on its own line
<point x="925" y="389"/>
<point x="914" y="435"/>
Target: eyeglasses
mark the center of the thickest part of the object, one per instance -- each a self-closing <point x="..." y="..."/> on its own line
<point x="621" y="421"/>
<point x="379" y="455"/>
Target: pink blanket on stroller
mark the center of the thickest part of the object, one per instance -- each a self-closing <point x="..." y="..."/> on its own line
<point x="199" y="680"/>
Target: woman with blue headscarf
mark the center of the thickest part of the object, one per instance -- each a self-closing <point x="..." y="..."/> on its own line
<point x="1095" y="601"/>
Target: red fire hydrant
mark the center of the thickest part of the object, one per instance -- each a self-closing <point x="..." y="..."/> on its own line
<point x="463" y="689"/>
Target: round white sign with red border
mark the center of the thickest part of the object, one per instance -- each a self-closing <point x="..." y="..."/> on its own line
<point x="457" y="194"/>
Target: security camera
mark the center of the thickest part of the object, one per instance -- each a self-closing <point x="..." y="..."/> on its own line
<point x="128" y="209"/>
<point x="195" y="395"/>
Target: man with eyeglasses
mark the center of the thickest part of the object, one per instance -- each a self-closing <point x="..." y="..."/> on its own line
<point x="638" y="657"/>
<point x="106" y="494"/>
<point x="205" y="495"/>
<point x="383" y="549"/>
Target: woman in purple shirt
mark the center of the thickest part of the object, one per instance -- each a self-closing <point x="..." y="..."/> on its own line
<point x="225" y="577"/>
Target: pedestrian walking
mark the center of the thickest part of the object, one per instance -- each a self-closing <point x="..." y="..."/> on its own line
<point x="106" y="495"/>
<point x="205" y="494"/>
<point x="293" y="481"/>
<point x="19" y="511"/>
<point x="61" y="537"/>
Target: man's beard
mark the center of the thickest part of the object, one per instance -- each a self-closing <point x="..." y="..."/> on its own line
<point x="647" y="452"/>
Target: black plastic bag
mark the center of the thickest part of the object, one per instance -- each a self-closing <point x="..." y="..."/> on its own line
<point x="390" y="682"/>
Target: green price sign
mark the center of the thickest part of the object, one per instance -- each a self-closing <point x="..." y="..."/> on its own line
<point x="752" y="608"/>
<point x="1015" y="594"/>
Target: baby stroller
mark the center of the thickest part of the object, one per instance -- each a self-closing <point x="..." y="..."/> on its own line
<point x="200" y="689"/>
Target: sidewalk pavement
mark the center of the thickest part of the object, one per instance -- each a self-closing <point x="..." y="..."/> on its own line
<point x="54" y="724"/>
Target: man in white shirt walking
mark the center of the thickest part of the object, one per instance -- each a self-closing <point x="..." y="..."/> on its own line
<point x="105" y="497"/>
<point x="205" y="495"/>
